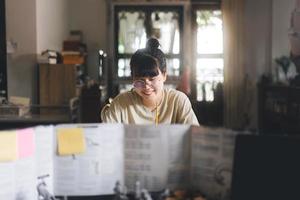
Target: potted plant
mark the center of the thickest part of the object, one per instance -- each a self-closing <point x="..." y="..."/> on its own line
<point x="284" y="62"/>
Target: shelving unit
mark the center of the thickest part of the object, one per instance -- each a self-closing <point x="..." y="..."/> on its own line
<point x="279" y="109"/>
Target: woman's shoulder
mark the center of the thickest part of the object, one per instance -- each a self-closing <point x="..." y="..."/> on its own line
<point x="175" y="94"/>
<point x="123" y="95"/>
<point x="125" y="98"/>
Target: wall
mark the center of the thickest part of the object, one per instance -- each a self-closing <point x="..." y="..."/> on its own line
<point x="280" y="42"/>
<point x="90" y="16"/>
<point x="38" y="25"/>
<point x="280" y="26"/>
<point x="258" y="37"/>
<point x="21" y="28"/>
<point x="267" y="25"/>
<point x="52" y="24"/>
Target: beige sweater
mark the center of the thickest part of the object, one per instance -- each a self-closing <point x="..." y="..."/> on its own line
<point x="128" y="108"/>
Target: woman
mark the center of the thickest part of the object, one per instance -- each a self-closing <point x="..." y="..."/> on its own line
<point x="149" y="102"/>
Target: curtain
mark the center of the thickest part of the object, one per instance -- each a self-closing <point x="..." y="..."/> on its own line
<point x="235" y="78"/>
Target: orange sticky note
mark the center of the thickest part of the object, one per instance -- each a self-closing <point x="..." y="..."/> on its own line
<point x="8" y="146"/>
<point x="25" y="138"/>
<point x="70" y="141"/>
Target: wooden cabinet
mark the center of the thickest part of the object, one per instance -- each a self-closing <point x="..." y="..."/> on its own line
<point x="57" y="84"/>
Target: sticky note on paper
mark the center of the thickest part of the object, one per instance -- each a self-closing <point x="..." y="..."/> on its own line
<point x="26" y="146"/>
<point x="70" y="141"/>
<point x="8" y="146"/>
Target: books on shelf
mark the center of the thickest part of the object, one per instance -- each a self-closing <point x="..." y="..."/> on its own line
<point x="73" y="57"/>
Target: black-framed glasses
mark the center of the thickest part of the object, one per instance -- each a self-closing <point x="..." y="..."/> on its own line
<point x="141" y="83"/>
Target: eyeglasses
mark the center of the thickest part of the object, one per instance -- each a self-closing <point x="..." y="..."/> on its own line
<point x="141" y="83"/>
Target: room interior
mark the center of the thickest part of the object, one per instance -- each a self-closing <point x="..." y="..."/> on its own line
<point x="257" y="92"/>
<point x="265" y="27"/>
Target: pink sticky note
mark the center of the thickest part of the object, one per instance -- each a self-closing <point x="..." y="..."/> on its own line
<point x="25" y="142"/>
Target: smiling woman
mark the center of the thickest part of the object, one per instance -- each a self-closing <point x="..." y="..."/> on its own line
<point x="148" y="102"/>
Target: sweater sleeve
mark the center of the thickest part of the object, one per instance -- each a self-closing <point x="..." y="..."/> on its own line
<point x="186" y="113"/>
<point x="111" y="113"/>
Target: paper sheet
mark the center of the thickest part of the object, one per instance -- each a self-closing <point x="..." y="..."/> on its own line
<point x="45" y="151"/>
<point x="7" y="180"/>
<point x="96" y="170"/>
<point x="25" y="178"/>
<point x="145" y="156"/>
<point x="211" y="161"/>
<point x="178" y="156"/>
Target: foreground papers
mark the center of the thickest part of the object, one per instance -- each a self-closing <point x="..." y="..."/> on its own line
<point x="159" y="157"/>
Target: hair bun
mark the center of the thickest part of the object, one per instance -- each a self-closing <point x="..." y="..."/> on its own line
<point x="152" y="43"/>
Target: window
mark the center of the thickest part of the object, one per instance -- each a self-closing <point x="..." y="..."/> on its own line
<point x="209" y="59"/>
<point x="134" y="25"/>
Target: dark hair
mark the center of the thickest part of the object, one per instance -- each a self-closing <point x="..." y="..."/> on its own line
<point x="148" y="61"/>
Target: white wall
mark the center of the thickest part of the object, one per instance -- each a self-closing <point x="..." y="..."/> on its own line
<point x="90" y="16"/>
<point x="35" y="25"/>
<point x="281" y="24"/>
<point x="267" y="25"/>
<point x="281" y="46"/>
<point x="21" y="28"/>
<point x="52" y="24"/>
<point x="258" y="37"/>
<point x="258" y="42"/>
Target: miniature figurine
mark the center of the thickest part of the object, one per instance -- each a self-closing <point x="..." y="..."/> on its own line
<point x="137" y="191"/>
<point x="120" y="192"/>
<point x="180" y="194"/>
<point x="199" y="197"/>
<point x="43" y="193"/>
<point x="165" y="194"/>
<point x="145" y="195"/>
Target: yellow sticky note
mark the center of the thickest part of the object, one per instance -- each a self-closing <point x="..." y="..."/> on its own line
<point x="8" y="146"/>
<point x="70" y="141"/>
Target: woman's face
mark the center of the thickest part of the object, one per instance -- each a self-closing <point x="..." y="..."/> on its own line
<point x="150" y="88"/>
